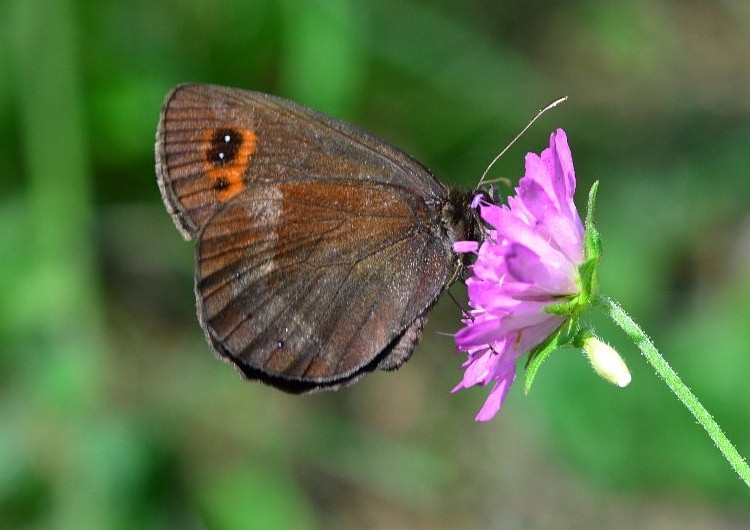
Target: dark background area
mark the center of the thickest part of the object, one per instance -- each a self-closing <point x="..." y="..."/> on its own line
<point x="114" y="413"/>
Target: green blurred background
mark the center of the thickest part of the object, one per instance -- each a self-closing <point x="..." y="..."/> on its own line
<point x="114" y="413"/>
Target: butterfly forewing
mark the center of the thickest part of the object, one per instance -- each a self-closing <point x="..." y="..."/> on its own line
<point x="213" y="141"/>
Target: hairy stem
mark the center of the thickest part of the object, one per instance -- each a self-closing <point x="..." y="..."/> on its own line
<point x="675" y="384"/>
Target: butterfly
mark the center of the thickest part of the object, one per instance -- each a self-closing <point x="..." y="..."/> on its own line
<point x="320" y="248"/>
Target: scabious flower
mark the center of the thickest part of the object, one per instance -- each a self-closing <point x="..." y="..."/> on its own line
<point x="535" y="274"/>
<point x="529" y="260"/>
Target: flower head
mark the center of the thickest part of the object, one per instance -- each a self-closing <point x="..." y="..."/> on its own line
<point x="529" y="260"/>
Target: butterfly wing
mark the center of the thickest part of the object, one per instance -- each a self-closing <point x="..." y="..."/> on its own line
<point x="320" y="248"/>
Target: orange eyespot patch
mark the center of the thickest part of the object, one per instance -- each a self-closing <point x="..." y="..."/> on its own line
<point x="227" y="155"/>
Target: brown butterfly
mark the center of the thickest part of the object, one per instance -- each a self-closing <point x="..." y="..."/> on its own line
<point x="321" y="249"/>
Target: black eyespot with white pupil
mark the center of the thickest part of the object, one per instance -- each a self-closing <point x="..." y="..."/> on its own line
<point x="221" y="184"/>
<point x="225" y="144"/>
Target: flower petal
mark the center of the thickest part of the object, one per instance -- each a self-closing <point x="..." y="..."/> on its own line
<point x="497" y="395"/>
<point x="463" y="247"/>
<point x="526" y="266"/>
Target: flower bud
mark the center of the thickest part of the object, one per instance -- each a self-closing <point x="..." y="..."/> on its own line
<point x="606" y="361"/>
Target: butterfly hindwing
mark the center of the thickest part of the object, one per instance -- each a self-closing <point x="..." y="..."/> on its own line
<point x="310" y="283"/>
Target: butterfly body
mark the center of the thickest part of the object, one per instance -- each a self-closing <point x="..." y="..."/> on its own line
<point x="321" y="249"/>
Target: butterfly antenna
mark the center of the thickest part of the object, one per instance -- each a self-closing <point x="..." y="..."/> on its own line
<point x="538" y="114"/>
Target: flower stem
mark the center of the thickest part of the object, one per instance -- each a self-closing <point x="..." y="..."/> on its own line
<point x="636" y="334"/>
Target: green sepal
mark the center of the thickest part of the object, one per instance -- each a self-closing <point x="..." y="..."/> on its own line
<point x="592" y="243"/>
<point x="563" y="309"/>
<point x="588" y="273"/>
<point x="580" y="337"/>
<point x="564" y="336"/>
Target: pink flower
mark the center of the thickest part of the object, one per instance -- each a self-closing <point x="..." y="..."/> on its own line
<point x="528" y="260"/>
